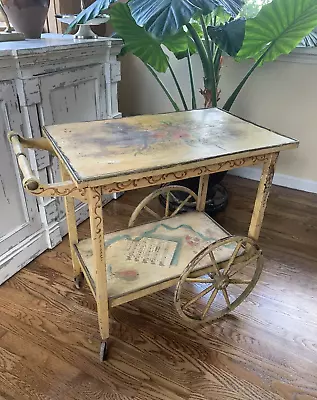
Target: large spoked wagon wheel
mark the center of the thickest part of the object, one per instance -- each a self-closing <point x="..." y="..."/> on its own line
<point x="169" y="193"/>
<point x="210" y="297"/>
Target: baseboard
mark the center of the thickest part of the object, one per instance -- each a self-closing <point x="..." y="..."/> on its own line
<point x="279" y="179"/>
<point x="22" y="254"/>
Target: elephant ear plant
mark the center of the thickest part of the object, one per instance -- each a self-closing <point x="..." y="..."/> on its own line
<point x="153" y="29"/>
<point x="207" y="28"/>
<point x="150" y="28"/>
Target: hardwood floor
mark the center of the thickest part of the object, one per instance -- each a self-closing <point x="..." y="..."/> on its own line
<point x="267" y="348"/>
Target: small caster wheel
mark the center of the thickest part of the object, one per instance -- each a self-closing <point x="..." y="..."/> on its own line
<point x="79" y="280"/>
<point x="103" y="351"/>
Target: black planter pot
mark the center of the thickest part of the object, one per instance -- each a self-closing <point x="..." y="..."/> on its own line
<point x="217" y="196"/>
<point x="193" y="183"/>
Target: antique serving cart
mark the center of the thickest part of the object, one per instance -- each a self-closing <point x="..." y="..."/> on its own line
<point x="212" y="270"/>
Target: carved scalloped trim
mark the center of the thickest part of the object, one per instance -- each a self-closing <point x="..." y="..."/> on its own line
<point x="189" y="173"/>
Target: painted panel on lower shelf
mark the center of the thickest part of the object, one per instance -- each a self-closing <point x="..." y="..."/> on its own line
<point x="149" y="254"/>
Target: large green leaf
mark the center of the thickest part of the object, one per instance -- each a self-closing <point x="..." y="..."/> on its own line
<point x="180" y="44"/>
<point x="198" y="28"/>
<point x="136" y="39"/>
<point x="222" y="16"/>
<point x="278" y="28"/>
<point x="166" y="17"/>
<point x="217" y="17"/>
<point x="229" y="36"/>
<point x="90" y="12"/>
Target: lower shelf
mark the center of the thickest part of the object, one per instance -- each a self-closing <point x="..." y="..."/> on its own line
<point x="149" y="255"/>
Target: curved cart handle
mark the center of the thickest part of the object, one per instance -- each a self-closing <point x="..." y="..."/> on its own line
<point x="30" y="181"/>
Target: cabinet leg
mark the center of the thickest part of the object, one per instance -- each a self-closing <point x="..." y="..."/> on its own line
<point x="103" y="351"/>
<point x="72" y="233"/>
<point x="262" y="196"/>
<point x="79" y="280"/>
<point x="98" y="248"/>
<point x="117" y="196"/>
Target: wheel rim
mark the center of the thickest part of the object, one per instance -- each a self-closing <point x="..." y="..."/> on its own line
<point x="166" y="212"/>
<point x="210" y="297"/>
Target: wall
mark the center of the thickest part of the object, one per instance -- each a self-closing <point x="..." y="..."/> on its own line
<point x="281" y="96"/>
<point x="60" y="7"/>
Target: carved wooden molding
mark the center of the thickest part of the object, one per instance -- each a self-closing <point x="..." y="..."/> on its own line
<point x="60" y="190"/>
<point x="132" y="184"/>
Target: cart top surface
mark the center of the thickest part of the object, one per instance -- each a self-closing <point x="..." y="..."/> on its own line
<point x="119" y="148"/>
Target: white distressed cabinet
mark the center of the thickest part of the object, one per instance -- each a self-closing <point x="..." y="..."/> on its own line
<point x="42" y="82"/>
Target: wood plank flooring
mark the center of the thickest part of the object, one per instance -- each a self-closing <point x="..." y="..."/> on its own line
<point x="267" y="348"/>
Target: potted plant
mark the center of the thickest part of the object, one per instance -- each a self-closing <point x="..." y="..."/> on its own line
<point x="209" y="28"/>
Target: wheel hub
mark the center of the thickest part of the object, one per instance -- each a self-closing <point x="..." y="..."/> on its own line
<point x="221" y="281"/>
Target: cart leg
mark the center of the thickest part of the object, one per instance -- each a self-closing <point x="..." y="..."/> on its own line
<point x="202" y="192"/>
<point x="262" y="196"/>
<point x="98" y="248"/>
<point x="72" y="232"/>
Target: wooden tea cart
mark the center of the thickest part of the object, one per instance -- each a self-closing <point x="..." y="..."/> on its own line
<point x="212" y="270"/>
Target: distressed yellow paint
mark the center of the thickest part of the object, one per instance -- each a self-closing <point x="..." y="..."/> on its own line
<point x="116" y="148"/>
<point x="114" y="155"/>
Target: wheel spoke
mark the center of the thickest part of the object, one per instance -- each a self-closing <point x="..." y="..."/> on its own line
<point x="199" y="280"/>
<point x="209" y="303"/>
<point x="214" y="262"/>
<point x="226" y="296"/>
<point x="199" y="296"/>
<point x="167" y="206"/>
<point x="153" y="213"/>
<point x="244" y="264"/>
<point x="233" y="256"/>
<point x="239" y="281"/>
<point x="181" y="205"/>
<point x="174" y="198"/>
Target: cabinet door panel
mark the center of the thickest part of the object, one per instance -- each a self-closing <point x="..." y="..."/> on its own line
<point x="19" y="217"/>
<point x="74" y="102"/>
<point x="73" y="95"/>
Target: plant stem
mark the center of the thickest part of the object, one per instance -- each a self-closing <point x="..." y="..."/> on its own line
<point x="208" y="45"/>
<point x="217" y="58"/>
<point x="200" y="48"/>
<point x="173" y="102"/>
<point x="191" y="78"/>
<point x="208" y="42"/>
<point x="234" y="95"/>
<point x="181" y="95"/>
<point x="208" y="65"/>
